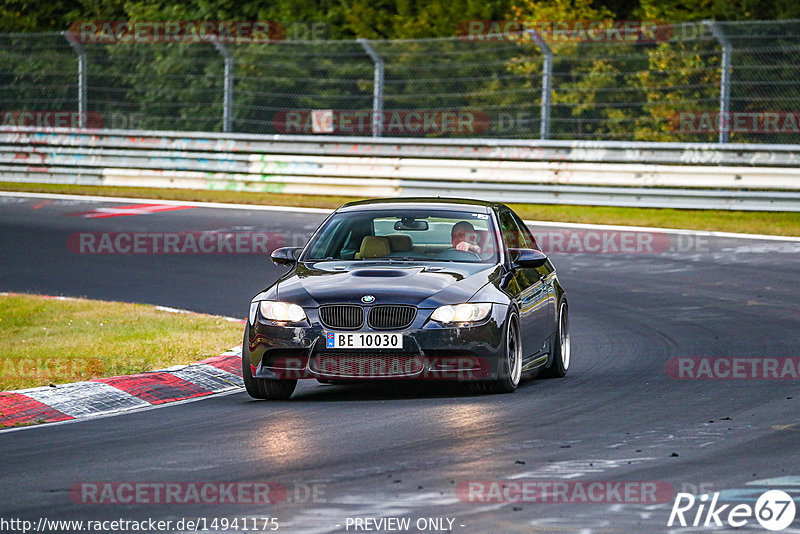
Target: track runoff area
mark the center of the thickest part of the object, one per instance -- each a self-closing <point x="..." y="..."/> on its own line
<point x="680" y="412"/>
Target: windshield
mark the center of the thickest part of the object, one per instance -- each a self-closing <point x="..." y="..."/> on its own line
<point x="425" y="235"/>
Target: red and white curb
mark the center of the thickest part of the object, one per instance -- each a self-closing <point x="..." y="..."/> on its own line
<point x="106" y="396"/>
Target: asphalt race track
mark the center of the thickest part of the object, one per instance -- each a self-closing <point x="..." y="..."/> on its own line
<point x="378" y="451"/>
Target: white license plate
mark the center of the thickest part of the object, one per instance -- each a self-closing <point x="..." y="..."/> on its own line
<point x="363" y="340"/>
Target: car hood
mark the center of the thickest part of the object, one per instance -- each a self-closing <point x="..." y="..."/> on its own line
<point x="423" y="285"/>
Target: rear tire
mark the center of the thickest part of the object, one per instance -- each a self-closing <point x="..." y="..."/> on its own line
<point x="510" y="367"/>
<point x="561" y="346"/>
<point x="259" y="388"/>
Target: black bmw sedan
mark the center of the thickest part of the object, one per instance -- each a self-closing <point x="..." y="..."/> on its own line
<point x="419" y="288"/>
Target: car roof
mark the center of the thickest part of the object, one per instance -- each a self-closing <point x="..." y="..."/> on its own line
<point x="454" y="204"/>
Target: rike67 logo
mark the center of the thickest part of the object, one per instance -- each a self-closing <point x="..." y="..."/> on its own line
<point x="774" y="510"/>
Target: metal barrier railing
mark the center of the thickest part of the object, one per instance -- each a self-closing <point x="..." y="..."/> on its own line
<point x="748" y="177"/>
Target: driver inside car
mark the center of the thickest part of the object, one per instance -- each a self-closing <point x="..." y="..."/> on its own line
<point x="464" y="237"/>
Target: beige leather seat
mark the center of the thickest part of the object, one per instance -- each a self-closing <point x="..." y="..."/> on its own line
<point x="400" y="243"/>
<point x="373" y="247"/>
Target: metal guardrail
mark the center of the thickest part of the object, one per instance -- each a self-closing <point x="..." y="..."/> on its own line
<point x="703" y="176"/>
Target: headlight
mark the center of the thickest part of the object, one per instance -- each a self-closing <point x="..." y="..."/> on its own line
<point x="277" y="311"/>
<point x="462" y="313"/>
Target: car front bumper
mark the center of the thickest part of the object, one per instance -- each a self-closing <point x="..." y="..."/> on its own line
<point x="431" y="351"/>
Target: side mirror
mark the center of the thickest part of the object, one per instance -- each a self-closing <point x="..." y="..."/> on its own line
<point x="527" y="257"/>
<point x="284" y="256"/>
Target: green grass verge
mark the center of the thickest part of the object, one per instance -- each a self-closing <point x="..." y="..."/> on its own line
<point x="748" y="222"/>
<point x="58" y="341"/>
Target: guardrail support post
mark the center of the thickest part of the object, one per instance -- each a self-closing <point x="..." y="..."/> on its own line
<point x="227" y="103"/>
<point x="547" y="83"/>
<point x="725" y="79"/>
<point x="82" y="78"/>
<point x="377" y="88"/>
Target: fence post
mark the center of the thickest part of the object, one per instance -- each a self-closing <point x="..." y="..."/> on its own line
<point x="547" y="83"/>
<point x="725" y="79"/>
<point x="227" y="103"/>
<point x="377" y="88"/>
<point x="82" y="78"/>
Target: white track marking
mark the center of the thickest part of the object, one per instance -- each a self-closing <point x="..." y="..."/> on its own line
<point x="294" y="209"/>
<point x="213" y="205"/>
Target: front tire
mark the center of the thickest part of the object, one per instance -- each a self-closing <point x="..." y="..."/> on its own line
<point x="510" y="369"/>
<point x="259" y="388"/>
<point x="561" y="346"/>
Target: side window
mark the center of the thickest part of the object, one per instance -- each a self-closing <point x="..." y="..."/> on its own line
<point x="526" y="232"/>
<point x="512" y="235"/>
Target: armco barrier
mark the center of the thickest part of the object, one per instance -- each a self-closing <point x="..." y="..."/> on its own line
<point x="749" y="177"/>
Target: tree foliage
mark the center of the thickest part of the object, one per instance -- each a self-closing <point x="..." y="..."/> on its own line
<point x="379" y="19"/>
<point x="601" y="90"/>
